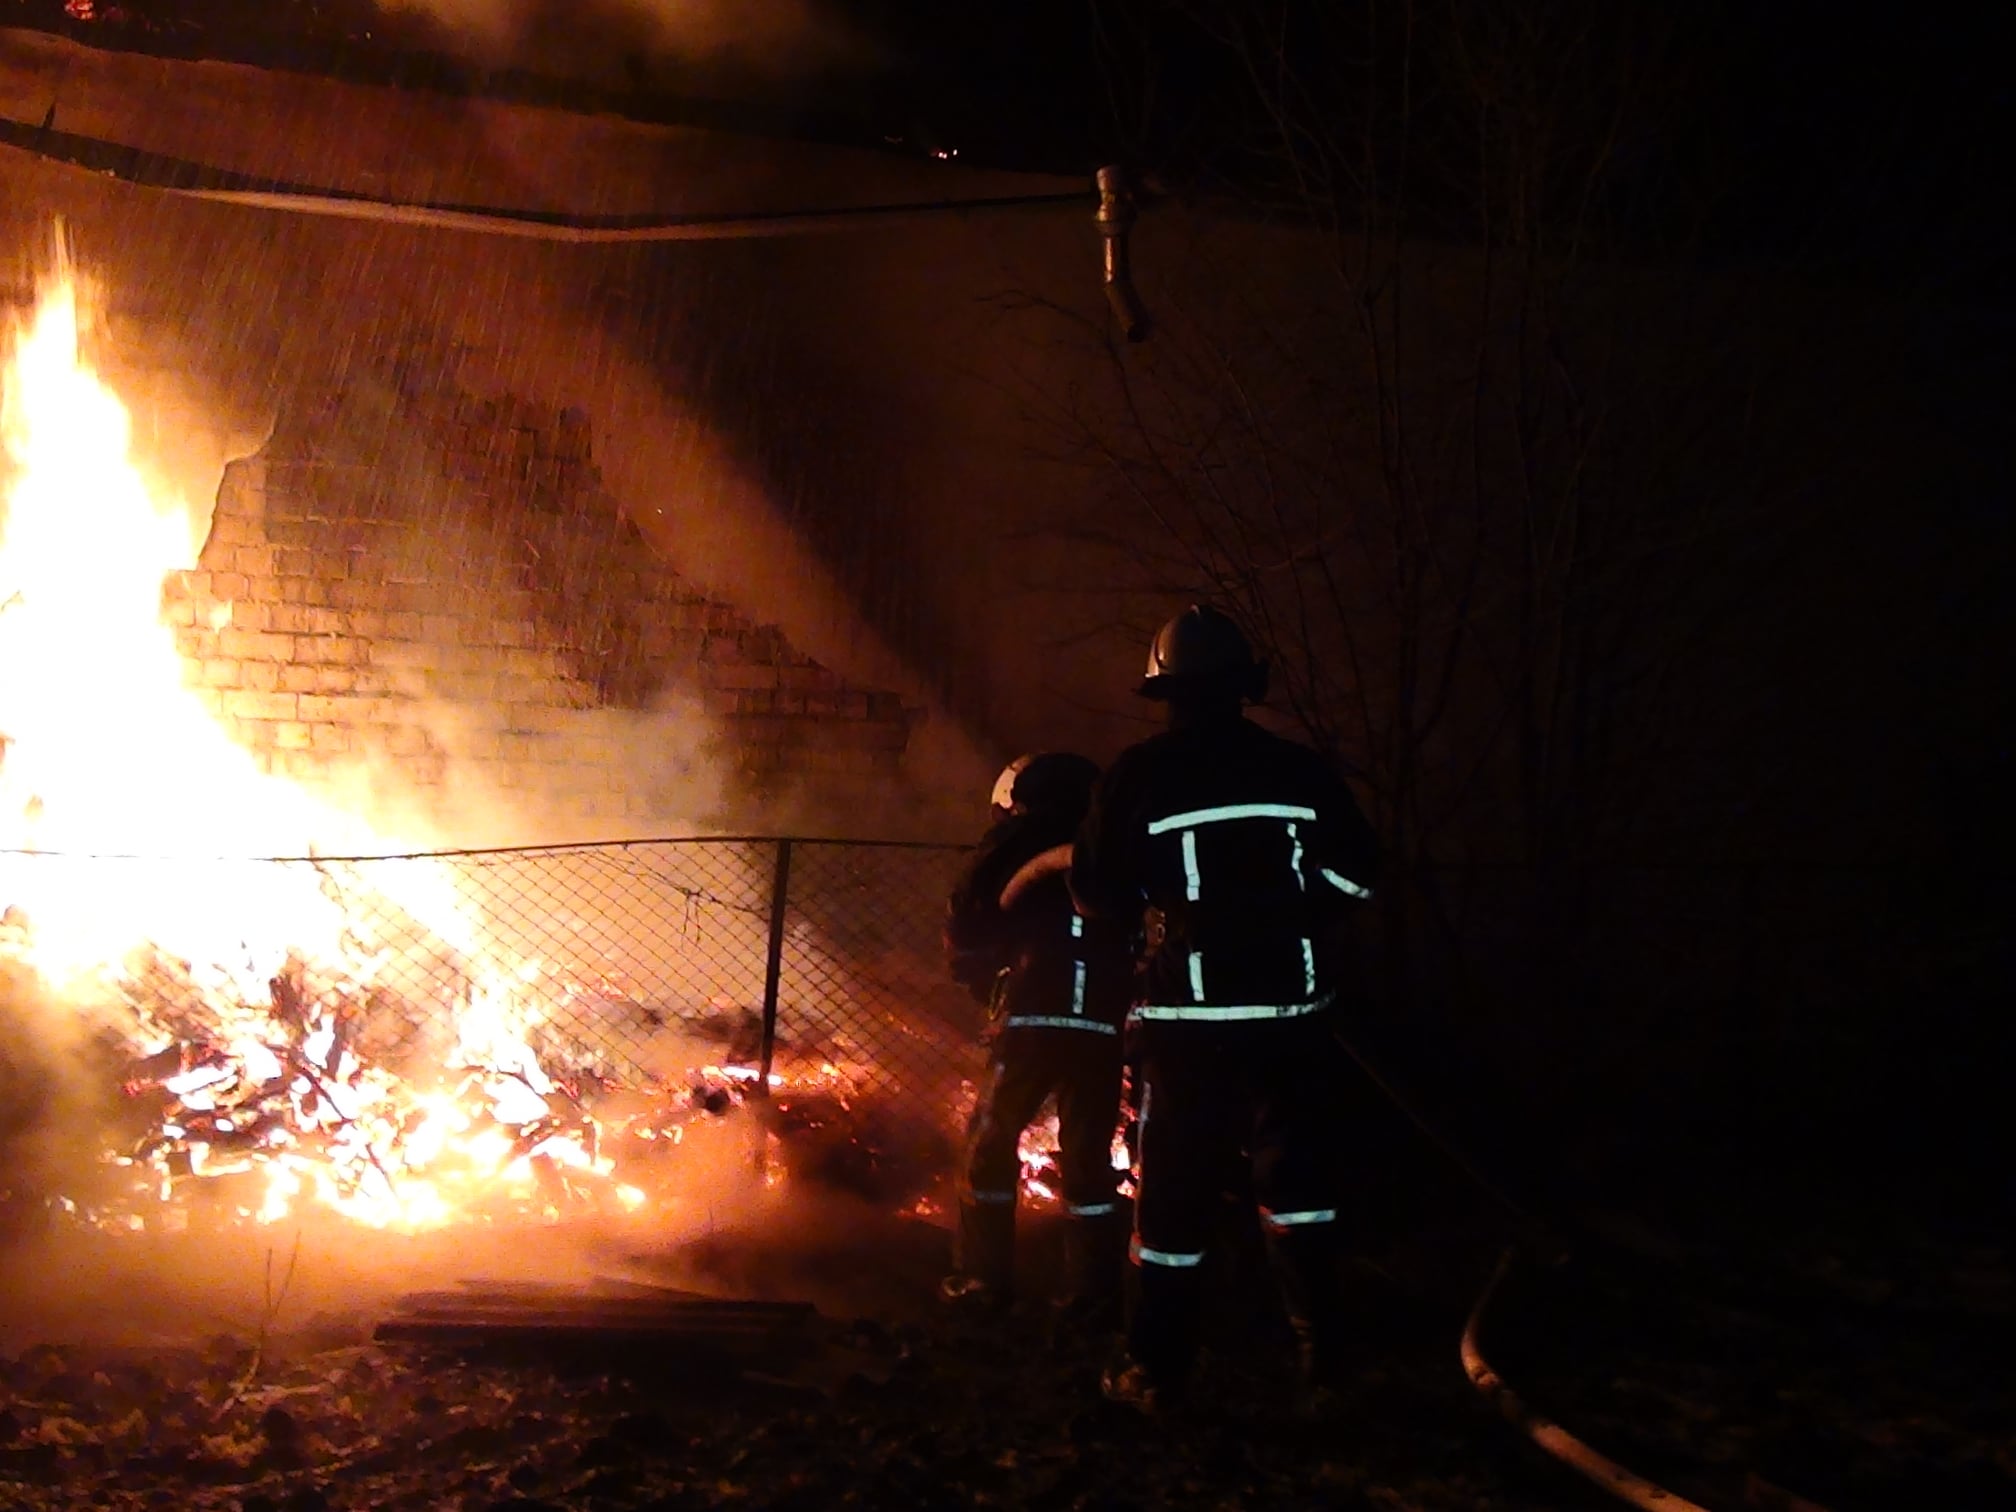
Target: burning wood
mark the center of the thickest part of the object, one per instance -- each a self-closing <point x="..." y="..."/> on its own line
<point x="293" y="1034"/>
<point x="257" y="1008"/>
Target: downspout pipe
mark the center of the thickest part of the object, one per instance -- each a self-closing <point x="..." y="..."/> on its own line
<point x="1115" y="219"/>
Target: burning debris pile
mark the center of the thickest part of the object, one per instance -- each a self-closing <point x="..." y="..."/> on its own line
<point x="353" y="1023"/>
<point x="285" y="1035"/>
<point x="250" y="999"/>
<point x="264" y="1103"/>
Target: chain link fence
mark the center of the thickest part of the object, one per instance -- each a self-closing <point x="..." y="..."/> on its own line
<point x="624" y="964"/>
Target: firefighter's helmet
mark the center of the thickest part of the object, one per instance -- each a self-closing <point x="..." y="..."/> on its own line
<point x="1202" y="653"/>
<point x="1045" y="782"/>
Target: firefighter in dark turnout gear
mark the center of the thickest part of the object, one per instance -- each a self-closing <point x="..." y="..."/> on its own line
<point x="1246" y="855"/>
<point x="1057" y="987"/>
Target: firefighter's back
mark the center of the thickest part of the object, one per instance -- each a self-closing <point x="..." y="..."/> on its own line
<point x="1245" y="845"/>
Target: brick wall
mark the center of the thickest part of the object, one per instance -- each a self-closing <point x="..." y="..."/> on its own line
<point x="431" y="582"/>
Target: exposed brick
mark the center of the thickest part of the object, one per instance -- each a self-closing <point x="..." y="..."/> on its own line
<point x="741" y="676"/>
<point x="293" y="534"/>
<point x="537" y="664"/>
<point x="240" y="704"/>
<point x="255" y="645"/>
<point x="328" y="650"/>
<point x="231" y="530"/>
<point x="320" y="708"/>
<point x="387" y="654"/>
<point x="537" y="717"/>
<point x="807" y="677"/>
<point x="475" y="687"/>
<point x="522" y="594"/>
<point x="220" y="672"/>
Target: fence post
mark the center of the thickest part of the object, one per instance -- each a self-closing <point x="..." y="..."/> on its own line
<point x="773" y="964"/>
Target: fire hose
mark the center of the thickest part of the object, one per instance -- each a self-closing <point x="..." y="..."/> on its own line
<point x="1549" y="1435"/>
<point x="1597" y="1468"/>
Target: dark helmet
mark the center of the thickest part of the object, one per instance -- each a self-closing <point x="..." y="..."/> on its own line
<point x="1047" y="782"/>
<point x="1203" y="653"/>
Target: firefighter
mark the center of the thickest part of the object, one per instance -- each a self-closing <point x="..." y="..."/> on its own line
<point x="1246" y="856"/>
<point x="1057" y="988"/>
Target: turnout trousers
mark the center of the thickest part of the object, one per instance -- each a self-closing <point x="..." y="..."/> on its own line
<point x="1081" y="1066"/>
<point x="1213" y="1094"/>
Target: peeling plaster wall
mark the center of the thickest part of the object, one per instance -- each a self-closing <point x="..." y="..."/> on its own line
<point x="467" y="616"/>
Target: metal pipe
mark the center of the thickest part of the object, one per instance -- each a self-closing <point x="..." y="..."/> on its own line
<point x="584" y="230"/>
<point x="1115" y="219"/>
<point x="203" y="181"/>
<point x="773" y="964"/>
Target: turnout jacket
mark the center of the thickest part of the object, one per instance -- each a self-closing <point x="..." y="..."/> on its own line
<point x="1244" y="852"/>
<point x="1011" y="911"/>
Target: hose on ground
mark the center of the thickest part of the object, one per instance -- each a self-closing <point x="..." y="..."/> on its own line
<point x="1597" y="1468"/>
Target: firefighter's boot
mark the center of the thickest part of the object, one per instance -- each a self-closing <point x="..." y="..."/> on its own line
<point x="1095" y="1267"/>
<point x="983" y="1256"/>
<point x="1305" y="1267"/>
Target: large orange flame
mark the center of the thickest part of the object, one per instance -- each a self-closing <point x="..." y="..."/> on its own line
<point x="105" y="751"/>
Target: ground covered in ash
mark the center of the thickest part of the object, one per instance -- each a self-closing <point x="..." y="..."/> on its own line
<point x="1856" y="1376"/>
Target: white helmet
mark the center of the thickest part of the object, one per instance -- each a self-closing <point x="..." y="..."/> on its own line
<point x="1047" y="781"/>
<point x="1003" y="797"/>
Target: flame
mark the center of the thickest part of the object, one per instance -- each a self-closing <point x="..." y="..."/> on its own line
<point x="104" y="751"/>
<point x="1036" y="1153"/>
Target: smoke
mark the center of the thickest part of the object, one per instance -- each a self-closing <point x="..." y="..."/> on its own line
<point x="772" y="39"/>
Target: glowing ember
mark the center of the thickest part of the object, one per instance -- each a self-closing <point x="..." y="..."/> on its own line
<point x="254" y="1063"/>
<point x="1043" y="1178"/>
